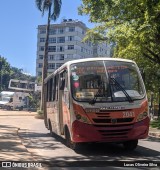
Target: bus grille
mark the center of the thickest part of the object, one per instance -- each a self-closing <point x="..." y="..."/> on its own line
<point x="118" y="120"/>
<point x="117" y="132"/>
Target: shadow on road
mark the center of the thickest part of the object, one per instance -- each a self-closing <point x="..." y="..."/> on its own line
<point x="11" y="147"/>
<point x="153" y="139"/>
<point x="97" y="155"/>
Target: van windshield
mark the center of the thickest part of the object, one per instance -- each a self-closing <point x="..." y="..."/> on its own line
<point x="6" y="99"/>
<point x="107" y="81"/>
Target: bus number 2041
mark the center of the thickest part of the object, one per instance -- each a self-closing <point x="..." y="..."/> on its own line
<point x="128" y="114"/>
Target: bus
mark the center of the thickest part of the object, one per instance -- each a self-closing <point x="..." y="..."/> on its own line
<point x="97" y="100"/>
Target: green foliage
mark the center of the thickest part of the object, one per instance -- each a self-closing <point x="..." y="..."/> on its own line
<point x="155" y="124"/>
<point x="40" y="112"/>
<point x="8" y="72"/>
<point x="34" y="100"/>
<point x="134" y="28"/>
<point x="44" y="5"/>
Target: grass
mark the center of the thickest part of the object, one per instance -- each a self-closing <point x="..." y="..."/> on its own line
<point x="40" y="114"/>
<point x="155" y="123"/>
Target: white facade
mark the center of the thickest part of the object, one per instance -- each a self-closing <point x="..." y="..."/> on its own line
<point x="65" y="44"/>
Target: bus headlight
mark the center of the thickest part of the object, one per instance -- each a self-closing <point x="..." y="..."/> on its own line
<point x="142" y="116"/>
<point x="82" y="118"/>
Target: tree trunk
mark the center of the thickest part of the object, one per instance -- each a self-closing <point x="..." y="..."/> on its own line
<point x="44" y="69"/>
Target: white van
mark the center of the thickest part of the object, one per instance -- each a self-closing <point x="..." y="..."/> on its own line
<point x="13" y="100"/>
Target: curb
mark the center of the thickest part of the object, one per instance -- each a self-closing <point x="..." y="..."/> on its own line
<point x="154" y="134"/>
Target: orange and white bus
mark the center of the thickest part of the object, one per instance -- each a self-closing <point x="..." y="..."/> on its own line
<point x="97" y="100"/>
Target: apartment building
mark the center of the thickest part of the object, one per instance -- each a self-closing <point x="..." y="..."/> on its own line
<point x="65" y="44"/>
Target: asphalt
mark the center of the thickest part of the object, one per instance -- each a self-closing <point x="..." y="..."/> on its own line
<point x="12" y="149"/>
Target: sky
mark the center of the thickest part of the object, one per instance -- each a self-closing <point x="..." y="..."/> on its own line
<point x="19" y="20"/>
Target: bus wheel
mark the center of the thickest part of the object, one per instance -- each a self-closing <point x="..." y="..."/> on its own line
<point x="130" y="145"/>
<point x="50" y="128"/>
<point x="69" y="143"/>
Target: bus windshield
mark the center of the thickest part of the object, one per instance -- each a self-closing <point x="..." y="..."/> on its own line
<point x="108" y="81"/>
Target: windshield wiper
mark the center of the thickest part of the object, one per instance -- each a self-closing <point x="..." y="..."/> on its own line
<point x="123" y="90"/>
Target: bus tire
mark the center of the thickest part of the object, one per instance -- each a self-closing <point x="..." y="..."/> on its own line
<point x="73" y="145"/>
<point x="130" y="145"/>
<point x="50" y="128"/>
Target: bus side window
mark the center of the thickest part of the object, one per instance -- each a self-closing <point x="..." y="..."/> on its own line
<point x="62" y="80"/>
<point x="54" y="89"/>
<point x="66" y="80"/>
<point x="50" y="89"/>
<point x="57" y="79"/>
<point x="47" y="91"/>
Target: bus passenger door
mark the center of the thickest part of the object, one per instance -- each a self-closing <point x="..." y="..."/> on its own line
<point x="63" y="101"/>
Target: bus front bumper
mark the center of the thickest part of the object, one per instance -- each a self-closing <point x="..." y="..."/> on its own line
<point x="82" y="132"/>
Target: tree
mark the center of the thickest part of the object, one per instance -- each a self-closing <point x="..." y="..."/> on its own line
<point x="53" y="7"/>
<point x="8" y="72"/>
<point x="5" y="73"/>
<point x="133" y="25"/>
<point x="134" y="28"/>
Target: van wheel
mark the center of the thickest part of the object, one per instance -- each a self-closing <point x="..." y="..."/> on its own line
<point x="130" y="145"/>
<point x="8" y="108"/>
<point x="73" y="145"/>
<point x="21" y="108"/>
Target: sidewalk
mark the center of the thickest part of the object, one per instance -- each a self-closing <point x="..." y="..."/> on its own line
<point x="154" y="132"/>
<point x="17" y="113"/>
<point x="11" y="148"/>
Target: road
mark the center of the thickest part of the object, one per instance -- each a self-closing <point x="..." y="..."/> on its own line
<point x="51" y="151"/>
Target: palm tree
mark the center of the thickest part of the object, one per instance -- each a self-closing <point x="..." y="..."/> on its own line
<point x="53" y="7"/>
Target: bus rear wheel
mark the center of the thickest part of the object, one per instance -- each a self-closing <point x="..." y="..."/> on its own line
<point x="50" y="128"/>
<point x="130" y="145"/>
<point x="69" y="143"/>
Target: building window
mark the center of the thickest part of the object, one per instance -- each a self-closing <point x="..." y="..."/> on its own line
<point x="40" y="57"/>
<point x="51" y="57"/>
<point x="40" y="65"/>
<point x="39" y="73"/>
<point x="51" y="48"/>
<point x="70" y="47"/>
<point x="82" y="49"/>
<point x="60" y="57"/>
<point x="58" y="65"/>
<point x="70" y="56"/>
<point x="41" y="48"/>
<point x="60" y="30"/>
<point x="60" y="39"/>
<point x="51" y="66"/>
<point x="52" y="40"/>
<point x="60" y="48"/>
<point x="42" y="31"/>
<point x="71" y="29"/>
<point x="52" y="31"/>
<point x="70" y="38"/>
<point x="42" y="39"/>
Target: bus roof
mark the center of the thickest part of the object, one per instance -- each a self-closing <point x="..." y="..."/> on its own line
<point x="94" y="59"/>
<point x="68" y="63"/>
